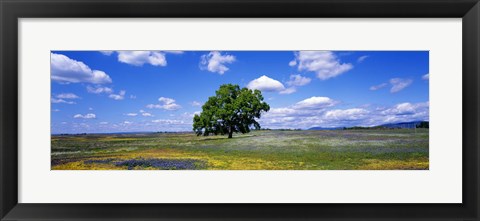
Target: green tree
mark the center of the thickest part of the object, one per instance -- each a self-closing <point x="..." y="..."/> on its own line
<point x="423" y="124"/>
<point x="231" y="110"/>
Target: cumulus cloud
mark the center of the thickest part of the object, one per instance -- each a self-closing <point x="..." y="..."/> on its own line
<point x="119" y="96"/>
<point x="315" y="103"/>
<point x="99" y="90"/>
<point x="362" y="58"/>
<point x="106" y="90"/>
<point x="66" y="70"/>
<point x="86" y="116"/>
<point x="139" y="58"/>
<point x="60" y="101"/>
<point x="165" y="103"/>
<point x="292" y="63"/>
<point x="108" y="53"/>
<point x="297" y="115"/>
<point x="266" y="84"/>
<point x="289" y="90"/>
<point x="216" y="62"/>
<point x="426" y="77"/>
<point x="378" y="87"/>
<point x="294" y="117"/>
<point x="405" y="108"/>
<point x="324" y="63"/>
<point x="196" y="104"/>
<point x="399" y="84"/>
<point x="174" y="52"/>
<point x="141" y="112"/>
<point x="405" y="112"/>
<point x="298" y="80"/>
<point x="141" y="125"/>
<point x="348" y="114"/>
<point x="146" y="114"/>
<point x="68" y="96"/>
<point x="168" y="121"/>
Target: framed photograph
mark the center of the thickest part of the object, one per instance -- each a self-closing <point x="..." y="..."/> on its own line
<point x="252" y="110"/>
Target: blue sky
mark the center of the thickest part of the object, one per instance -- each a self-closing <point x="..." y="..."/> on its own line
<point x="127" y="91"/>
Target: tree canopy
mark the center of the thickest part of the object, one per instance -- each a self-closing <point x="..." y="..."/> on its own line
<point x="231" y="110"/>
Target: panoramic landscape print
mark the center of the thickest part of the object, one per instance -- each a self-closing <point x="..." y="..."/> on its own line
<point x="239" y="110"/>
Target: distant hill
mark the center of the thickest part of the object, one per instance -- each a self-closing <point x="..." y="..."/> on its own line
<point x="409" y="125"/>
<point x="403" y="125"/>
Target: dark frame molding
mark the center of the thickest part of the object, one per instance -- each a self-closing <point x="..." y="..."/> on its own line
<point x="11" y="10"/>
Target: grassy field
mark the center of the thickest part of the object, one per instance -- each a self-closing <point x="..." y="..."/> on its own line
<point x="394" y="149"/>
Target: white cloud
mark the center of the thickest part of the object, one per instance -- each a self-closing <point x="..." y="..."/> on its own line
<point x="324" y="63"/>
<point x="127" y="122"/>
<point x="66" y="70"/>
<point x="68" y="96"/>
<point x="174" y="52"/>
<point x="60" y="101"/>
<point x="274" y="85"/>
<point x="399" y="84"/>
<point x="86" y="116"/>
<point x="99" y="90"/>
<point x="146" y="114"/>
<point x="292" y="63"/>
<point x="298" y="80"/>
<point x="378" y="87"/>
<point x="165" y="103"/>
<point x="294" y="117"/>
<point x="404" y="112"/>
<point x="84" y="125"/>
<point x="405" y="108"/>
<point x="266" y="84"/>
<point x="315" y="103"/>
<point x="426" y="77"/>
<point x="55" y="110"/>
<point x="166" y="100"/>
<point x="168" y="121"/>
<point x="348" y="114"/>
<point x="103" y="122"/>
<point x="400" y="109"/>
<point x="289" y="90"/>
<point x="196" y="104"/>
<point x="108" y="53"/>
<point x="215" y="62"/>
<point x="362" y="58"/>
<point x="139" y="58"/>
<point x="131" y="114"/>
<point x="281" y="112"/>
<point x="133" y="97"/>
<point x="119" y="96"/>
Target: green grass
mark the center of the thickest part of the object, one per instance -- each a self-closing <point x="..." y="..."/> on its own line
<point x="395" y="149"/>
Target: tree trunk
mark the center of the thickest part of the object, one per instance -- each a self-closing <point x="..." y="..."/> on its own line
<point x="230" y="132"/>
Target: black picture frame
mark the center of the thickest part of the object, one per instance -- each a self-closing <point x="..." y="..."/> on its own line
<point x="12" y="10"/>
